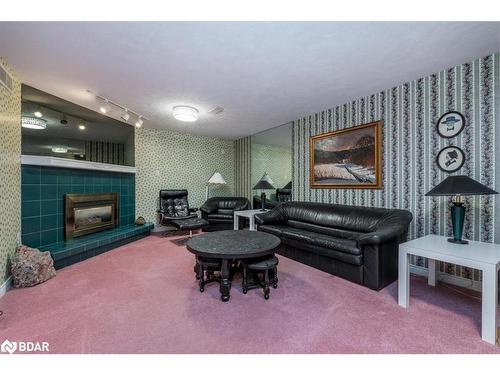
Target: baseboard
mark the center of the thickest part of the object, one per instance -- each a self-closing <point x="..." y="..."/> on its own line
<point x="447" y="278"/>
<point x="5" y="286"/>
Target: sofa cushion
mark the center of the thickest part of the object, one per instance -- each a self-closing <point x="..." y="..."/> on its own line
<point x="357" y="260"/>
<point x="322" y="240"/>
<point x="226" y="211"/>
<point x="335" y="232"/>
<point x="277" y="230"/>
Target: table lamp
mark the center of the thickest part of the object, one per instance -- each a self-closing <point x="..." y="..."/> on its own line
<point x="265" y="183"/>
<point x="216" y="180"/>
<point x="457" y="186"/>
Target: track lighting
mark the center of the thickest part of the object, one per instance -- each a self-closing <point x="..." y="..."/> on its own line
<point x="105" y="107"/>
<point x="125" y="116"/>
<point x="108" y="104"/>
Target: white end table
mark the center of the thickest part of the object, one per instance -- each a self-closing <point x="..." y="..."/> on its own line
<point x="246" y="213"/>
<point x="479" y="255"/>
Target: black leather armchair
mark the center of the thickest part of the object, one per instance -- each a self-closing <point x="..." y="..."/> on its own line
<point x="219" y="212"/>
<point x="359" y="244"/>
<point x="174" y="205"/>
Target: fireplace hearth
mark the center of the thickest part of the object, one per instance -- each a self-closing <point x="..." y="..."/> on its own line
<point x="90" y="213"/>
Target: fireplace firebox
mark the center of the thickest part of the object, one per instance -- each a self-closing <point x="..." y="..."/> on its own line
<point x="90" y="213"/>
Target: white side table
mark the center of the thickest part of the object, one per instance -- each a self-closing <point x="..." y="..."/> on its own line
<point x="246" y="213"/>
<point x="479" y="255"/>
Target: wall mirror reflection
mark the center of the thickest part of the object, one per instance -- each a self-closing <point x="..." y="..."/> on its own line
<point x="55" y="127"/>
<point x="272" y="166"/>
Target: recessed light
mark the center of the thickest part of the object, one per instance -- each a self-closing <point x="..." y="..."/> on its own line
<point x="59" y="150"/>
<point x="81" y="127"/>
<point x="33" y="123"/>
<point x="38" y="114"/>
<point x="185" y="113"/>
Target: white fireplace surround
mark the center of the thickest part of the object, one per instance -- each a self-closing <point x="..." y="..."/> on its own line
<point x="50" y="161"/>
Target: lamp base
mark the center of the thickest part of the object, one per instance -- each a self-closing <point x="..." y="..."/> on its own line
<point x="461" y="242"/>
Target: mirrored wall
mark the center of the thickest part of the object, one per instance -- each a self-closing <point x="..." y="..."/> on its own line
<point x="55" y="127"/>
<point x="272" y="165"/>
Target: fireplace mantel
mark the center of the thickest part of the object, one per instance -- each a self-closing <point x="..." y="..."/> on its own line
<point x="51" y="161"/>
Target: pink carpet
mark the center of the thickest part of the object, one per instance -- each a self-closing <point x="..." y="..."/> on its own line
<point x="142" y="298"/>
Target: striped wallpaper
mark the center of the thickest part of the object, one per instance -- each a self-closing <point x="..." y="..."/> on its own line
<point x="410" y="144"/>
<point x="243" y="167"/>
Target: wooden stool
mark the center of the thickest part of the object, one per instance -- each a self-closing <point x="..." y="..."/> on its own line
<point x="262" y="266"/>
<point x="208" y="266"/>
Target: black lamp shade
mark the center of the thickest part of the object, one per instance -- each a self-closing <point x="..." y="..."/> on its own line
<point x="460" y="185"/>
<point x="288" y="186"/>
<point x="263" y="185"/>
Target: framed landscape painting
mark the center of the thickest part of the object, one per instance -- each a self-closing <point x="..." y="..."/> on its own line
<point x="347" y="158"/>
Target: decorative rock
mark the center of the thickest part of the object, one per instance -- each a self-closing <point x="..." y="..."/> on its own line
<point x="140" y="221"/>
<point x="30" y="267"/>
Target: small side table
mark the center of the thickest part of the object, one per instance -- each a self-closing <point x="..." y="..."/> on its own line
<point x="479" y="255"/>
<point x="250" y="214"/>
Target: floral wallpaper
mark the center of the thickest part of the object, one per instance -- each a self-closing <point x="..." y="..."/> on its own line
<point x="170" y="160"/>
<point x="243" y="167"/>
<point x="10" y="170"/>
<point x="410" y="145"/>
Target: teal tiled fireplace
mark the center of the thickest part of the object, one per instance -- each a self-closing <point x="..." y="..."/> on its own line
<point x="43" y="192"/>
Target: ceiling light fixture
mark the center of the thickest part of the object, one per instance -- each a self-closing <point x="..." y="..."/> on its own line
<point x="81" y="127"/>
<point x="125" y="116"/>
<point x="107" y="104"/>
<point x="59" y="150"/>
<point x="38" y="113"/>
<point x="185" y="113"/>
<point x="33" y="123"/>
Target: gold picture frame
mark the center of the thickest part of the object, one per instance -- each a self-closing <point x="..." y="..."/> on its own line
<point x="347" y="159"/>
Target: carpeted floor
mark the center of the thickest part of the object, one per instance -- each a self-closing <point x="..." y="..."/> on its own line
<point x="142" y="298"/>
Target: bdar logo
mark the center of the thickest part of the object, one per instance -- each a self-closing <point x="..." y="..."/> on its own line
<point x="8" y="347"/>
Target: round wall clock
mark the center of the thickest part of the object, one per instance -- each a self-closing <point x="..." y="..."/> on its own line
<point x="450" y="124"/>
<point x="450" y="159"/>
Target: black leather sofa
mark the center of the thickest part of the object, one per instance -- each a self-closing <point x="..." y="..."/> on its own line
<point x="359" y="244"/>
<point x="219" y="212"/>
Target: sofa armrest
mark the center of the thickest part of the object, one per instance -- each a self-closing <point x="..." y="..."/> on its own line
<point x="208" y="207"/>
<point x="380" y="236"/>
<point x="273" y="216"/>
<point x="193" y="209"/>
<point x="242" y="205"/>
<point x="392" y="225"/>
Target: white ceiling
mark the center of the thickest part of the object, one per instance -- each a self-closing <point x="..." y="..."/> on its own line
<point x="262" y="74"/>
<point x="280" y="136"/>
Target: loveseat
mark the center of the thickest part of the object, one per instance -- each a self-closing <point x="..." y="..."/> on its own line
<point x="359" y="244"/>
<point x="219" y="212"/>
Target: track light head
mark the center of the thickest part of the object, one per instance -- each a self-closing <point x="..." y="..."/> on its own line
<point x="139" y="122"/>
<point x="125" y="116"/>
<point x="105" y="107"/>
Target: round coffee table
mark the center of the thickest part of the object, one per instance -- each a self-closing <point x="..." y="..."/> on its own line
<point x="232" y="244"/>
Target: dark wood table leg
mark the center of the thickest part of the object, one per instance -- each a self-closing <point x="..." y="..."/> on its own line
<point x="225" y="282"/>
